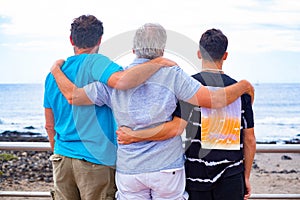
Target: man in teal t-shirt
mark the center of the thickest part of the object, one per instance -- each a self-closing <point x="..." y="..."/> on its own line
<point x="83" y="137"/>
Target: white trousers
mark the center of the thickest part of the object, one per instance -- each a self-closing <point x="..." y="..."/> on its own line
<point x="163" y="185"/>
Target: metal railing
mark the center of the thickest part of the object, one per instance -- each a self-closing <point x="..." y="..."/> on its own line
<point x="45" y="146"/>
<point x="24" y="194"/>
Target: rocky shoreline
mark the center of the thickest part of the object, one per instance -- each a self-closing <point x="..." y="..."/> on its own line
<point x="15" y="136"/>
<point x="17" y="167"/>
<point x="32" y="171"/>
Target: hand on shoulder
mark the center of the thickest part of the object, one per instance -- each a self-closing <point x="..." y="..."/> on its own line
<point x="57" y="65"/>
<point x="164" y="62"/>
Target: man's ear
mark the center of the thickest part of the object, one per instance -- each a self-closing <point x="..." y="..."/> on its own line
<point x="199" y="54"/>
<point x="99" y="41"/>
<point x="71" y="40"/>
<point x="225" y="55"/>
<point x="133" y="51"/>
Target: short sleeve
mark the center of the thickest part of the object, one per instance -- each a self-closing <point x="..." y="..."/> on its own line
<point x="98" y="93"/>
<point x="185" y="87"/>
<point x="183" y="110"/>
<point x="46" y="99"/>
<point x="247" y="114"/>
<point x="101" y="67"/>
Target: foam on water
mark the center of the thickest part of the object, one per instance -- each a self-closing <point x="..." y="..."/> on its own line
<point x="276" y="110"/>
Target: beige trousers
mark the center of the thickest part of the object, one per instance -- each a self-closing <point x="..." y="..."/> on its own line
<point x="76" y="179"/>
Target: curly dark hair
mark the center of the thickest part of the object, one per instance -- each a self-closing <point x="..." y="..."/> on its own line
<point x="86" y="31"/>
<point x="213" y="44"/>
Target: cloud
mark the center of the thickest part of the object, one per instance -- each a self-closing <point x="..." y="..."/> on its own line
<point x="34" y="17"/>
<point x="251" y="25"/>
<point x="257" y="28"/>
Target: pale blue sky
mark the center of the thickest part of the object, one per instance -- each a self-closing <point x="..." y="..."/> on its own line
<point x="264" y="36"/>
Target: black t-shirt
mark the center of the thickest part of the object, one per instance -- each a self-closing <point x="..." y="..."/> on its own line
<point x="205" y="167"/>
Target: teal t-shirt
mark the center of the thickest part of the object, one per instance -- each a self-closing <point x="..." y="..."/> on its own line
<point x="83" y="132"/>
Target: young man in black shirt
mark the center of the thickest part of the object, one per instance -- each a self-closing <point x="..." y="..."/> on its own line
<point x="214" y="173"/>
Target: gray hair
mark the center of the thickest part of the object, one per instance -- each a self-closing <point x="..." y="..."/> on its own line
<point x="150" y="41"/>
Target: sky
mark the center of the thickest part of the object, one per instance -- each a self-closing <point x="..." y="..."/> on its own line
<point x="264" y="35"/>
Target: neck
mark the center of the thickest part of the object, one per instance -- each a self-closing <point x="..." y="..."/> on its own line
<point x="79" y="51"/>
<point x="215" y="67"/>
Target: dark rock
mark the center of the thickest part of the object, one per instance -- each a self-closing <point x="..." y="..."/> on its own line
<point x="264" y="142"/>
<point x="285" y="157"/>
<point x="293" y="141"/>
<point x="255" y="166"/>
<point x="283" y="172"/>
<point x="15" y="136"/>
<point x="29" y="127"/>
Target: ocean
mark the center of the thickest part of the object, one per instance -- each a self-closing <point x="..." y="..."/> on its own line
<point x="276" y="110"/>
<point x="21" y="108"/>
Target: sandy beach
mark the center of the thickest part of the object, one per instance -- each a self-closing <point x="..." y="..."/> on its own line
<point x="276" y="173"/>
<point x="271" y="173"/>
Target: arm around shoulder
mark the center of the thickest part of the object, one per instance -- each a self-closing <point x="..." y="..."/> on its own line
<point x="71" y="92"/>
<point x="137" y="75"/>
<point x="223" y="96"/>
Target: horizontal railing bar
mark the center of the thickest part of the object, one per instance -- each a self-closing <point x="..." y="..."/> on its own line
<point x="25" y="146"/>
<point x="275" y="196"/>
<point x="278" y="148"/>
<point x="24" y="194"/>
<point x="45" y="146"/>
<point x="47" y="194"/>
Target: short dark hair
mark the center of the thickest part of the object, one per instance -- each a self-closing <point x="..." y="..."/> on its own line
<point x="86" y="31"/>
<point x="213" y="45"/>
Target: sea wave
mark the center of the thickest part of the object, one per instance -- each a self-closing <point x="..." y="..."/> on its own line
<point x="291" y="121"/>
<point x="22" y="126"/>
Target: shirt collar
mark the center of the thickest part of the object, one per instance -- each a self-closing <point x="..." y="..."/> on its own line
<point x="138" y="61"/>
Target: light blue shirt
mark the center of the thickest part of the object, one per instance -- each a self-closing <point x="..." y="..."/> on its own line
<point x="83" y="132"/>
<point x="148" y="105"/>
